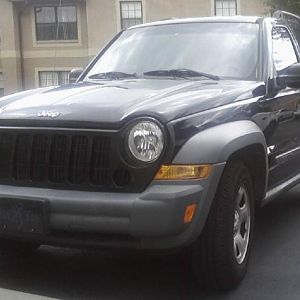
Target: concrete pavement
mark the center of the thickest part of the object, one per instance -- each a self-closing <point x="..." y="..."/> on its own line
<point x="274" y="270"/>
<point x="14" y="295"/>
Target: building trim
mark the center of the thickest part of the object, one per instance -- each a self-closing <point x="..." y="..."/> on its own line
<point x="1" y="81"/>
<point x="56" y="43"/>
<point x="67" y="53"/>
<point x="9" y="54"/>
<point x="55" y="53"/>
<point x="212" y="7"/>
<point x="238" y="7"/>
<point x="93" y="51"/>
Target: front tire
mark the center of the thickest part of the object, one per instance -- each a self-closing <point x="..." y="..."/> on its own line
<point x="221" y="254"/>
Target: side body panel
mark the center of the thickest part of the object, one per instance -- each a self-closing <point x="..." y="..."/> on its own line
<point x="282" y="135"/>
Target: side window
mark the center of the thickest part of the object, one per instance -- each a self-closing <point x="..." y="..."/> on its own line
<point x="283" y="50"/>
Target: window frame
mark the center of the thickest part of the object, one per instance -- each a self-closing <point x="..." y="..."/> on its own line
<point x="50" y="69"/>
<point x="293" y="41"/>
<point x="58" y="41"/>
<point x="1" y="79"/>
<point x="119" y="12"/>
<point x="236" y="7"/>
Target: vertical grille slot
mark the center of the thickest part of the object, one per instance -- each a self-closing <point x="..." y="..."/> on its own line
<point x="58" y="159"/>
<point x="78" y="160"/>
<point x="66" y="159"/>
<point x="99" y="170"/>
<point x="39" y="158"/>
<point x="6" y="152"/>
<point x="21" y="167"/>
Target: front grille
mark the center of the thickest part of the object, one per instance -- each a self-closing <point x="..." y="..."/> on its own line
<point x="42" y="158"/>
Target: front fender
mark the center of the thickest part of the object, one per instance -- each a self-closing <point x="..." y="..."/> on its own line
<point x="215" y="146"/>
<point x="218" y="143"/>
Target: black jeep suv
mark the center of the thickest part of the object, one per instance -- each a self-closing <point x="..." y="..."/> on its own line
<point x="170" y="139"/>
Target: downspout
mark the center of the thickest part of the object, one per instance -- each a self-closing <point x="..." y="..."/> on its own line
<point x="21" y="43"/>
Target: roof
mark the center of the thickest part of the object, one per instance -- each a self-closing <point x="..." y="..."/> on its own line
<point x="233" y="19"/>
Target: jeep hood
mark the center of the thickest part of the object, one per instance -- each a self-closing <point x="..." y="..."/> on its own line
<point x="110" y="104"/>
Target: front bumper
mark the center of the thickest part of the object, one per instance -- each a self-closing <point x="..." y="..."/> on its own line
<point x="151" y="220"/>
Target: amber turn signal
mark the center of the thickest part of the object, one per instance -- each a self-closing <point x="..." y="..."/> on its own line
<point x="189" y="213"/>
<point x="183" y="172"/>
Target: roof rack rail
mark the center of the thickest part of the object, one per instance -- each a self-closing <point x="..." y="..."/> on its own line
<point x="281" y="14"/>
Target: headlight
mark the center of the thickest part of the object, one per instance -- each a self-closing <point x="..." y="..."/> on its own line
<point x="146" y="141"/>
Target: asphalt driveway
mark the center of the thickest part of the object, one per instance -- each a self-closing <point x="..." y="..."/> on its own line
<point x="274" y="271"/>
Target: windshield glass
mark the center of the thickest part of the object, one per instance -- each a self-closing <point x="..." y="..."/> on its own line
<point x="227" y="50"/>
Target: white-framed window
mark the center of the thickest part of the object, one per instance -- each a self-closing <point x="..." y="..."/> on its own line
<point x="53" y="78"/>
<point x="1" y="85"/>
<point x="131" y="13"/>
<point x="225" y="7"/>
<point x="56" y="23"/>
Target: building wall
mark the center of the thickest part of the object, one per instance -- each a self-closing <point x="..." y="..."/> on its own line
<point x="50" y="55"/>
<point x="98" y="22"/>
<point x="9" y="48"/>
<point x="158" y="10"/>
<point x="102" y="23"/>
<point x="253" y="8"/>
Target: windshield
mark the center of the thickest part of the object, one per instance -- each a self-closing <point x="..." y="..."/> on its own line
<point x="226" y="50"/>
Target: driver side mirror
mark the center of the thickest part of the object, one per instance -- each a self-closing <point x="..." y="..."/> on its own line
<point x="291" y="78"/>
<point x="74" y="75"/>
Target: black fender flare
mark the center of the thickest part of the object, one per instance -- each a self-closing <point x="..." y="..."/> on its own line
<point x="216" y="144"/>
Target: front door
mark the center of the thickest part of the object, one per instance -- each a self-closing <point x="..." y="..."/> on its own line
<point x="283" y="133"/>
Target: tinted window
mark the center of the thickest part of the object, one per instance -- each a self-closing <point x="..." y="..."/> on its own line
<point x="228" y="50"/>
<point x="283" y="51"/>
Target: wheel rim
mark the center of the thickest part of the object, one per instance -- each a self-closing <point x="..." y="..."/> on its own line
<point x="242" y="225"/>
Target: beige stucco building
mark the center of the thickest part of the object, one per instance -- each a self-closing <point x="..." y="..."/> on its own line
<point x="42" y="40"/>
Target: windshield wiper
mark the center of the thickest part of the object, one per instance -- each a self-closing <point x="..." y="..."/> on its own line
<point x="112" y="75"/>
<point x="181" y="73"/>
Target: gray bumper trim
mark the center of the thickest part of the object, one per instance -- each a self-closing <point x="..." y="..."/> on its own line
<point x="155" y="217"/>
